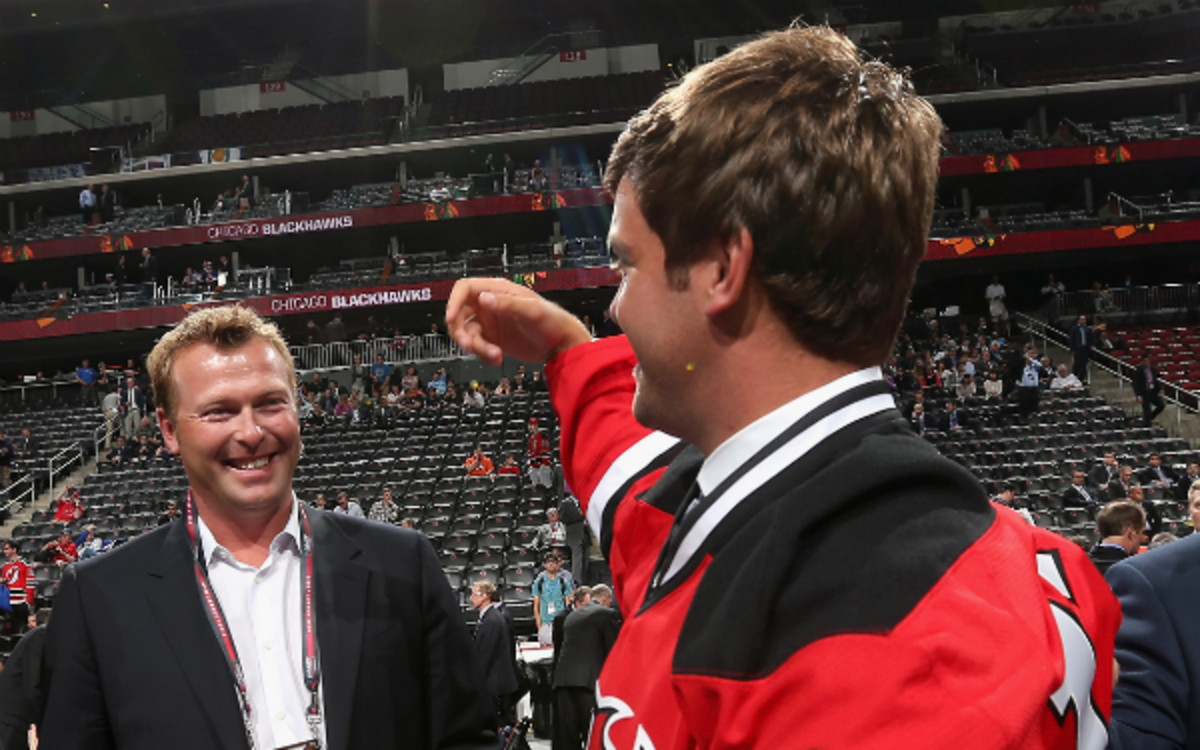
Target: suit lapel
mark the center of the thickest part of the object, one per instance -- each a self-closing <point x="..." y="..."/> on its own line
<point x="175" y="600"/>
<point x="341" y="602"/>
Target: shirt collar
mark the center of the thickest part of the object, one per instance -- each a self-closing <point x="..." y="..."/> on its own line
<point x="738" y="449"/>
<point x="215" y="552"/>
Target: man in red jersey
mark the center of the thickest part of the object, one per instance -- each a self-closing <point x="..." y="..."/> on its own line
<point x="797" y="569"/>
<point x="15" y="573"/>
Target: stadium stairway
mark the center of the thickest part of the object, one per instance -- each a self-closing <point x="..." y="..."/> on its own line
<point x="46" y="499"/>
<point x="1178" y="422"/>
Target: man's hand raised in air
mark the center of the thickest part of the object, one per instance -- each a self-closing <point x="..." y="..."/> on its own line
<point x="494" y="318"/>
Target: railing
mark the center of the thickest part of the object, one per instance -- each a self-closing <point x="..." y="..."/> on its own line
<point x="1185" y="400"/>
<point x="323" y="88"/>
<point x="428" y="347"/>
<point x="1129" y="304"/>
<point x="20" y="492"/>
<point x="62" y="463"/>
<point x="102" y="436"/>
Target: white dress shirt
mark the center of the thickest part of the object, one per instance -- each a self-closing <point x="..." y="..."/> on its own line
<point x="262" y="609"/>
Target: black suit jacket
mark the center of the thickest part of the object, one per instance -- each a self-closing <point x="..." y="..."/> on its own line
<point x="494" y="647"/>
<point x="588" y="636"/>
<point x="1149" y="476"/>
<point x="132" y="662"/>
<point x="1105" y="556"/>
<point x="1073" y="498"/>
<point x="1138" y="381"/>
<point x="1156" y="704"/>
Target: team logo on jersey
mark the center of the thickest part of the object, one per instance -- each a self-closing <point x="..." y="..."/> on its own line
<point x="611" y="726"/>
<point x="1074" y="695"/>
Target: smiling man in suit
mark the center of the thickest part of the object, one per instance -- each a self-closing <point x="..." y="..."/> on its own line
<point x="256" y="622"/>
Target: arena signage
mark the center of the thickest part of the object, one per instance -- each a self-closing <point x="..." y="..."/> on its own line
<point x="277" y="227"/>
<point x="391" y="297"/>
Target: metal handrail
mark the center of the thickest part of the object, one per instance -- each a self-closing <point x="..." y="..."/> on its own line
<point x="103" y="434"/>
<point x="1184" y="399"/>
<point x="63" y="460"/>
<point x="16" y="495"/>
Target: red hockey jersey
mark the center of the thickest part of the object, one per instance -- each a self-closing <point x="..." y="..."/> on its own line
<point x="15" y="574"/>
<point x="844" y="586"/>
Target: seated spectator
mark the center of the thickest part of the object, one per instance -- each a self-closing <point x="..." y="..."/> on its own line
<point x="381" y="372"/>
<point x="1190" y="477"/>
<point x="320" y="502"/>
<point x="60" y="551"/>
<point x="993" y="387"/>
<point x="965" y="388"/>
<point x="538" y="182"/>
<point x="385" y="511"/>
<point x="343" y="408"/>
<point x="317" y="417"/>
<point x="1153" y="515"/>
<point x="509" y="467"/>
<point x="502" y="389"/>
<point x="170" y="514"/>
<point x="919" y="420"/>
<point x="552" y="535"/>
<point x="438" y="383"/>
<point x="410" y="383"/>
<point x="953" y="419"/>
<point x="440" y="193"/>
<point x="1120" y="488"/>
<point x="1078" y="494"/>
<point x="479" y="465"/>
<point x="1107" y="342"/>
<point x="348" y="507"/>
<point x="191" y="281"/>
<point x="1007" y="497"/>
<point x="1105" y="472"/>
<point x="69" y="508"/>
<point x="1065" y="380"/>
<point x="1120" y="525"/>
<point x="472" y="398"/>
<point x="1156" y="474"/>
<point x="89" y="544"/>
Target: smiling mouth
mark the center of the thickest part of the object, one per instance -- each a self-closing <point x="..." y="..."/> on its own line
<point x="249" y="464"/>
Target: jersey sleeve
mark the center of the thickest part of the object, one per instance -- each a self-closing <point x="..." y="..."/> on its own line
<point x="609" y="460"/>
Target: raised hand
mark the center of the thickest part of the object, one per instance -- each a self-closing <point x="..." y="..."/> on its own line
<point x="495" y="318"/>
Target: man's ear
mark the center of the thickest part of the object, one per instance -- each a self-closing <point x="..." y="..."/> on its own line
<point x="733" y="260"/>
<point x="170" y="438"/>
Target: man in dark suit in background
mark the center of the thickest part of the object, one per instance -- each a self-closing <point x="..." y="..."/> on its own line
<point x="1082" y="339"/>
<point x="1156" y="474"/>
<point x="1147" y="386"/>
<point x="141" y="651"/>
<point x="1121" y="525"/>
<point x="588" y="634"/>
<point x="1156" y="703"/>
<point x="1077" y="494"/>
<point x="496" y="651"/>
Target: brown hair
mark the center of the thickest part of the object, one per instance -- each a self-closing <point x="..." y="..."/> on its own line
<point x="830" y="163"/>
<point x="488" y="589"/>
<point x="224" y="327"/>
<point x="1118" y="516"/>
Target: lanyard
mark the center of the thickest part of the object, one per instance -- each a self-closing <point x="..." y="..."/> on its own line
<point x="216" y="618"/>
